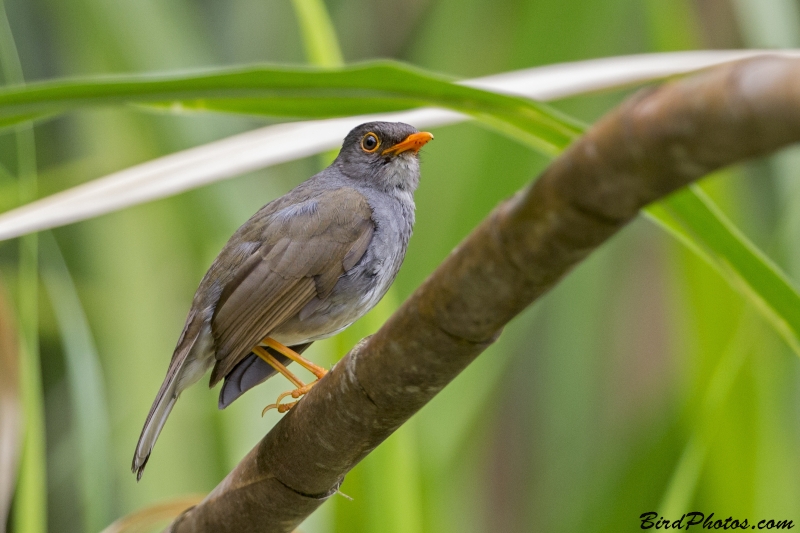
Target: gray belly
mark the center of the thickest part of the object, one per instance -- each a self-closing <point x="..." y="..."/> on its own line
<point x="356" y="292"/>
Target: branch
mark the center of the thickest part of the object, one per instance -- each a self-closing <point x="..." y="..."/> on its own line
<point x="654" y="143"/>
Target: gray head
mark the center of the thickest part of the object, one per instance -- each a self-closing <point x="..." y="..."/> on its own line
<point x="383" y="153"/>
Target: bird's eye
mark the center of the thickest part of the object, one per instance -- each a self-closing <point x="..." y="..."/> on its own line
<point x="370" y="142"/>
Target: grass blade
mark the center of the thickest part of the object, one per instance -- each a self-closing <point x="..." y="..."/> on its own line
<point x="30" y="503"/>
<point x="692" y="217"/>
<point x="682" y="487"/>
<point x="31" y="499"/>
<point x="86" y="387"/>
<point x="319" y="37"/>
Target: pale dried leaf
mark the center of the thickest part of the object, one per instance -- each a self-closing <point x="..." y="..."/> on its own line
<point x="147" y="519"/>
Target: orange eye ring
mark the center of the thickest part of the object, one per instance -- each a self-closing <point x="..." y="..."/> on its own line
<point x="370" y="143"/>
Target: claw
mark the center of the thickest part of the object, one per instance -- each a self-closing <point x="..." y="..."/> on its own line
<point x="281" y="407"/>
<point x="284" y="407"/>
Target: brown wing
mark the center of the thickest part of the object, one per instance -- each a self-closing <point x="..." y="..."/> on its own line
<point x="306" y="248"/>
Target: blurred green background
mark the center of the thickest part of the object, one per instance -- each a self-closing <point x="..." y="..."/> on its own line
<point x="643" y="382"/>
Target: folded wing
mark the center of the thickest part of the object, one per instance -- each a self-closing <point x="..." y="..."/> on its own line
<point x="306" y="247"/>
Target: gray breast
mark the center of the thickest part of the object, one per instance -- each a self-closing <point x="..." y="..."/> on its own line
<point x="363" y="286"/>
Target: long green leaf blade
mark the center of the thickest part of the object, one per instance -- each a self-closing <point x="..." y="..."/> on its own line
<point x="86" y="387"/>
<point x="297" y="92"/>
<point x="30" y="506"/>
<point x="695" y="220"/>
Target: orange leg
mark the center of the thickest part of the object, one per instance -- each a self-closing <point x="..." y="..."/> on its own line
<point x="294" y="356"/>
<point x="277" y="365"/>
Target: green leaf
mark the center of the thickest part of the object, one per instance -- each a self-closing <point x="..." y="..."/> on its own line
<point x="30" y="505"/>
<point x="692" y="217"/>
<point x="30" y="501"/>
<point x="86" y="387"/>
<point x="298" y="92"/>
<point x="682" y="487"/>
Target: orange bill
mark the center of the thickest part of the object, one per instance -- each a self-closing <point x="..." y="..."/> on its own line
<point x="413" y="142"/>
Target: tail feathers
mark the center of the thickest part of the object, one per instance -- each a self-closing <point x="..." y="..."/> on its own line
<point x="248" y="373"/>
<point x="159" y="412"/>
<point x="192" y="358"/>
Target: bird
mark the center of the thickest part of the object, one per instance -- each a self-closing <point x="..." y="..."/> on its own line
<point x="303" y="268"/>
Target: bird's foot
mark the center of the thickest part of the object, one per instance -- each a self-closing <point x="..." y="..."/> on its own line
<point x="284" y="407"/>
<point x="290" y="354"/>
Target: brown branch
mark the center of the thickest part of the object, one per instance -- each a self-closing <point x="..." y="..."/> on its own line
<point x="654" y="143"/>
